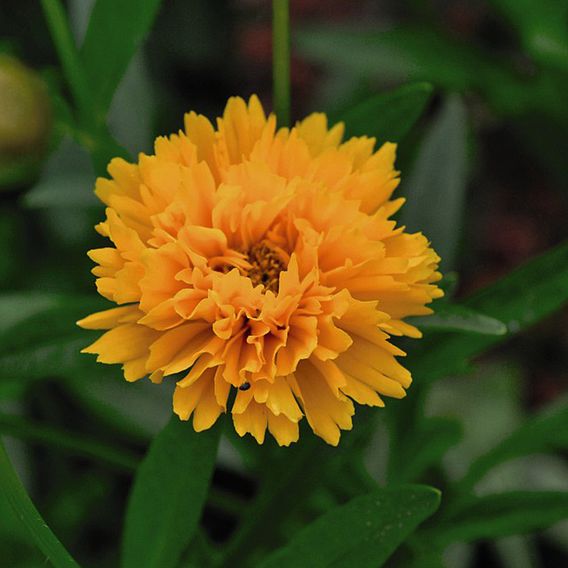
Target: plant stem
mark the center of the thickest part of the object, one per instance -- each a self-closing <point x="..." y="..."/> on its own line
<point x="12" y="490"/>
<point x="69" y="56"/>
<point x="281" y="60"/>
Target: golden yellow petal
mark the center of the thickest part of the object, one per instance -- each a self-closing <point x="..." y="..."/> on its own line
<point x="108" y="319"/>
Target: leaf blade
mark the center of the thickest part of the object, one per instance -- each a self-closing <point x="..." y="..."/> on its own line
<point x="397" y="111"/>
<point x="543" y="433"/>
<point x="168" y="494"/>
<point x="520" y="299"/>
<point x="123" y="25"/>
<point x="433" y="439"/>
<point x="437" y="184"/>
<point x="362" y="533"/>
<point x="456" y="317"/>
<point x="499" y="515"/>
<point x="13" y="491"/>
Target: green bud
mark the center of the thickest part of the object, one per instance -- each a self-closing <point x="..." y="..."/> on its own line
<point x="25" y="119"/>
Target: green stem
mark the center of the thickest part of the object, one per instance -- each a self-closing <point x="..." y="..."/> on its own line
<point x="76" y="444"/>
<point x="12" y="490"/>
<point x="281" y="60"/>
<point x="69" y="57"/>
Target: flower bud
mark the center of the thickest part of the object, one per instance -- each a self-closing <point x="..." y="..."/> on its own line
<point x="24" y="111"/>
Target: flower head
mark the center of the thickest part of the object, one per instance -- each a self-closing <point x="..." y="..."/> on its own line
<point x="263" y="265"/>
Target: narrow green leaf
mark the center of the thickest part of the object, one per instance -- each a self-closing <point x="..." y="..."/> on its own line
<point x="387" y="116"/>
<point x="498" y="515"/>
<point x="425" y="449"/>
<point x="454" y="317"/>
<point x="60" y="31"/>
<point x="168" y="495"/>
<point x="519" y="300"/>
<point x="436" y="186"/>
<point x="362" y="533"/>
<point x="116" y="30"/>
<point x="12" y="491"/>
<point x="417" y="54"/>
<point x="76" y="444"/>
<point x="545" y="432"/>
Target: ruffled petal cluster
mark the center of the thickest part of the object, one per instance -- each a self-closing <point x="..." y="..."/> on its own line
<point x="261" y="270"/>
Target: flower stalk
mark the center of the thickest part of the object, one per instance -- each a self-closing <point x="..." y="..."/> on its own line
<point x="281" y="60"/>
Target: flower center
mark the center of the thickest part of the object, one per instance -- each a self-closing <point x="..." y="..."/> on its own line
<point x="267" y="262"/>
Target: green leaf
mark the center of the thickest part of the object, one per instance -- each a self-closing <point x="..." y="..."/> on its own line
<point x="115" y="32"/>
<point x="454" y="317"/>
<point x="31" y="318"/>
<point x="67" y="181"/>
<point x="362" y="533"/>
<point x="12" y="491"/>
<point x="520" y="299"/>
<point x="58" y="23"/>
<point x="498" y="515"/>
<point x="396" y="54"/>
<point x="545" y="432"/>
<point x="75" y="444"/>
<point x="426" y="448"/>
<point x="388" y="116"/>
<point x="417" y="54"/>
<point x="436" y="186"/>
<point x="168" y="495"/>
<point x="59" y="357"/>
<point x="39" y="338"/>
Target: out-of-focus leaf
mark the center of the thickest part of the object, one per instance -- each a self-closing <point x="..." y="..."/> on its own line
<point x="501" y="514"/>
<point x="39" y="338"/>
<point x="436" y="186"/>
<point x="362" y="533"/>
<point x="519" y="300"/>
<point x="74" y="443"/>
<point x="544" y="433"/>
<point x="63" y="191"/>
<point x="12" y="491"/>
<point x="116" y="30"/>
<point x="387" y="116"/>
<point x="543" y="27"/>
<point x="131" y="119"/>
<point x="200" y="552"/>
<point x="484" y="418"/>
<point x="67" y="181"/>
<point x="433" y="439"/>
<point x="415" y="54"/>
<point x="57" y="358"/>
<point x="517" y="551"/>
<point x="168" y="495"/>
<point x="33" y="318"/>
<point x="140" y="410"/>
<point x="454" y="317"/>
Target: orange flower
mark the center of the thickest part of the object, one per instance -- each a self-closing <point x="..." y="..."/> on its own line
<point x="260" y="262"/>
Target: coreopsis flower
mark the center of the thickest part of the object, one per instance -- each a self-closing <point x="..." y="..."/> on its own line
<point x="260" y="268"/>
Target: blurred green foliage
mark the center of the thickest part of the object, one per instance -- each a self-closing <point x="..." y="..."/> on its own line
<point x="86" y="432"/>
